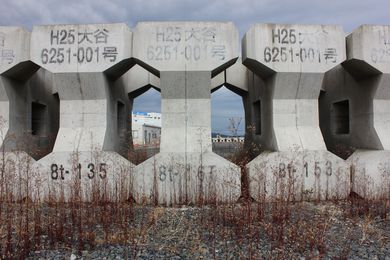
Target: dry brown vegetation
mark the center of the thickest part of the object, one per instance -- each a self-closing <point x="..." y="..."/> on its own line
<point x="247" y="229"/>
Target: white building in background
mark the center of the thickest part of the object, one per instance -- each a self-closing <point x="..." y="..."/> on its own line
<point x="151" y="118"/>
<point x="146" y="128"/>
<point x="228" y="139"/>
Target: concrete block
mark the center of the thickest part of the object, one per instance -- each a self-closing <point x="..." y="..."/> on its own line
<point x="367" y="47"/>
<point x="82" y="47"/>
<point x="346" y="108"/>
<point x="187" y="178"/>
<point x="355" y="109"/>
<point x="371" y="173"/>
<point x="237" y="78"/>
<point x="28" y="111"/>
<point x="274" y="48"/>
<point x="86" y="176"/>
<point x="217" y="81"/>
<point x="94" y="130"/>
<point x="291" y="61"/>
<point x="381" y="108"/>
<point x="298" y="175"/>
<point x="90" y="143"/>
<point x="85" y="60"/>
<point x="185" y="55"/>
<point x="138" y="80"/>
<point x="190" y="46"/>
<point x="14" y="47"/>
<point x="258" y="117"/>
<point x="369" y="58"/>
<point x="360" y="88"/>
<point x="30" y="115"/>
<point x="90" y="113"/>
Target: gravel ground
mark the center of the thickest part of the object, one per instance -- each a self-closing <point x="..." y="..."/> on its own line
<point x="297" y="231"/>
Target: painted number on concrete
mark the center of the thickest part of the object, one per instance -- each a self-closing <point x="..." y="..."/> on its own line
<point x="59" y="172"/>
<point x="7" y="56"/>
<point x="292" y="45"/>
<point x="318" y="169"/>
<point x="381" y="54"/>
<point x="169" y="173"/>
<point x="65" y="47"/>
<point x="191" y="44"/>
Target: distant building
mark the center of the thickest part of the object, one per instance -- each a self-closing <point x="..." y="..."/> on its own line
<point x="227" y="139"/>
<point x="146" y="128"/>
<point x="151" y="118"/>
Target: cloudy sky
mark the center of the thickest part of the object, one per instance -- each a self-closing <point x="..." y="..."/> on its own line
<point x="348" y="13"/>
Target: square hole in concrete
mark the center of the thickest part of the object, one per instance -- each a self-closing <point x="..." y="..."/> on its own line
<point x="38" y="118"/>
<point x="257" y="114"/>
<point x="121" y="118"/>
<point x="340" y="117"/>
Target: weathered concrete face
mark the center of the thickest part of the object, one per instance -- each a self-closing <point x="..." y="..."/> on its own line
<point x="371" y="173"/>
<point x="86" y="176"/>
<point x="293" y="48"/>
<point x="289" y="62"/>
<point x="292" y="59"/>
<point x="27" y="123"/>
<point x="185" y="55"/>
<point x="347" y="112"/>
<point x="186" y="110"/>
<point x="237" y="78"/>
<point x="185" y="178"/>
<point x="138" y="80"/>
<point x="85" y="60"/>
<point x="78" y="54"/>
<point x="14" y="47"/>
<point x="355" y="108"/>
<point x="258" y="104"/>
<point x="92" y="134"/>
<point x="16" y="93"/>
<point x="368" y="44"/>
<point x="190" y="46"/>
<point x="80" y="48"/>
<point x="299" y="175"/>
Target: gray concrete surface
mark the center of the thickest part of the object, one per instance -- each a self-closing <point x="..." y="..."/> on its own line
<point x="194" y="46"/>
<point x="291" y="59"/>
<point x="84" y="175"/>
<point x="82" y="48"/>
<point x="186" y="55"/>
<point x="86" y="60"/>
<point x="289" y="62"/>
<point x="355" y="108"/>
<point x="298" y="175"/>
<point x="371" y="173"/>
<point x="29" y="112"/>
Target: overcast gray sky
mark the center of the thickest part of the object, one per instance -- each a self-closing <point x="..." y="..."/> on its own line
<point x="348" y="13"/>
